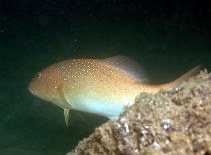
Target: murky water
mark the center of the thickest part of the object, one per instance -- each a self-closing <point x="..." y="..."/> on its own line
<point x="166" y="39"/>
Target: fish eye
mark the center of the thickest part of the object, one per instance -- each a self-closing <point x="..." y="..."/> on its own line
<point x="38" y="75"/>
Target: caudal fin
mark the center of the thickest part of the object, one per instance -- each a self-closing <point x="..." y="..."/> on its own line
<point x="194" y="71"/>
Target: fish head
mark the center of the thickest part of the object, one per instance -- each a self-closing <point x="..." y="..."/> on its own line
<point x="47" y="85"/>
<point x="39" y="86"/>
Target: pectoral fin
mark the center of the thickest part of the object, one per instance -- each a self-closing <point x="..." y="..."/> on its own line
<point x="65" y="105"/>
<point x="66" y="116"/>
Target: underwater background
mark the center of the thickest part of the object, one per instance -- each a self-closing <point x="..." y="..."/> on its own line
<point x="166" y="37"/>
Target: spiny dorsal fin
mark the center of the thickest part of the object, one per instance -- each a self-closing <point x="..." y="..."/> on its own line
<point x="128" y="65"/>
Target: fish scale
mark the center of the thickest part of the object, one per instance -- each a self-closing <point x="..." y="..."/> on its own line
<point x="99" y="86"/>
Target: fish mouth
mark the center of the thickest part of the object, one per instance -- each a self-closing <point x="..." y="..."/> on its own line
<point x="31" y="90"/>
<point x="35" y="93"/>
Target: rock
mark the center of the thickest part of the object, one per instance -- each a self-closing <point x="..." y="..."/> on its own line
<point x="169" y="122"/>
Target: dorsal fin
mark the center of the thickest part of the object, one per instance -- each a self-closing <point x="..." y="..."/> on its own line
<point x="128" y="65"/>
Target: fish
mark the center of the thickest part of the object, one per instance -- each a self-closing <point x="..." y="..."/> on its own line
<point x="98" y="86"/>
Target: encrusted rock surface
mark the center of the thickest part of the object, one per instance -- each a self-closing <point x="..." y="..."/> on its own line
<point x="169" y="122"/>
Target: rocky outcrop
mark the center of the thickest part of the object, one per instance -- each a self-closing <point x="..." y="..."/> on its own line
<point x="169" y="122"/>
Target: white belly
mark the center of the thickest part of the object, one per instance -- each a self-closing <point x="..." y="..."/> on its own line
<point x="109" y="109"/>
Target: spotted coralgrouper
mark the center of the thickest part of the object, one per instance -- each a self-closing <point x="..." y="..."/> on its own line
<point x="99" y="86"/>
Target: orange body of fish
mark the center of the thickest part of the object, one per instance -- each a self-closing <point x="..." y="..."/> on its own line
<point x="99" y="86"/>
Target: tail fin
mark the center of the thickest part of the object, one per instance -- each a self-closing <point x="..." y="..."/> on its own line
<point x="194" y="71"/>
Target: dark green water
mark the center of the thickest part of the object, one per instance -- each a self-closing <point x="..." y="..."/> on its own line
<point x="166" y="37"/>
